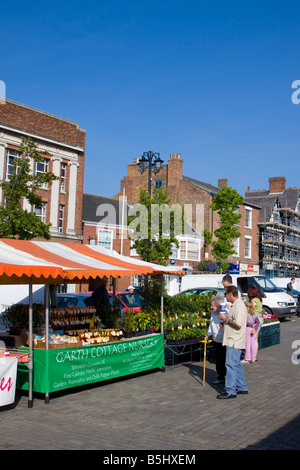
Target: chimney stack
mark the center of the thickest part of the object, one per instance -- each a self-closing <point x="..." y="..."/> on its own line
<point x="174" y="169"/>
<point x="277" y="184"/>
<point x="222" y="182"/>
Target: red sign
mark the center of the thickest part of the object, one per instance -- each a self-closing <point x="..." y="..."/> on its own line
<point x="250" y="267"/>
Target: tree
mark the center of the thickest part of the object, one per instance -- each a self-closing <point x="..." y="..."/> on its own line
<point x="207" y="238"/>
<point x="226" y="203"/>
<point x="154" y="226"/>
<point x="16" y="222"/>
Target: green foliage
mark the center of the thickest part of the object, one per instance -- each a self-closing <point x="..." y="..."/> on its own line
<point x="184" y="320"/>
<point x="187" y="303"/>
<point x="110" y="316"/>
<point x="226" y="203"/>
<point x="128" y="321"/>
<point x="155" y="225"/>
<point x="17" y="315"/>
<point x="152" y="291"/>
<point x="186" y="317"/>
<point x="16" y="222"/>
<point x="140" y="321"/>
<point x="186" y="334"/>
<point x="207" y="238"/>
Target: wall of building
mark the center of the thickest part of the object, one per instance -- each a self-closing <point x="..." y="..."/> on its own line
<point x="182" y="191"/>
<point x="248" y="264"/>
<point x="63" y="143"/>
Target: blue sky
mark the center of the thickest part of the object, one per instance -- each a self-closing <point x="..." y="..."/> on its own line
<point x="210" y="80"/>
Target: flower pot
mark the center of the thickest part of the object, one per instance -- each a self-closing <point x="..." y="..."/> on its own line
<point x="128" y="334"/>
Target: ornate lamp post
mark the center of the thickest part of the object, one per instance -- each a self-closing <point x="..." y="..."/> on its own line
<point x="154" y="164"/>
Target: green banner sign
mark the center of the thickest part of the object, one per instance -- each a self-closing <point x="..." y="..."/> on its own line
<point x="59" y="369"/>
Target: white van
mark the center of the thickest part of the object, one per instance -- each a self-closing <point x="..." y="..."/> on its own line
<point x="275" y="301"/>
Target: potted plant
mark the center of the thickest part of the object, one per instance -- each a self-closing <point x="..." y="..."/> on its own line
<point x="154" y="319"/>
<point x="140" y="323"/>
<point x="128" y="324"/>
<point x="16" y="317"/>
<point x="186" y="335"/>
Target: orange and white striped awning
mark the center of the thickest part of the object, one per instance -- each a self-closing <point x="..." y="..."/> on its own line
<point x="21" y="260"/>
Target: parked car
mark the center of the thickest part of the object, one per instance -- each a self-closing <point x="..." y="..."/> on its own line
<point x="203" y="291"/>
<point x="79" y="299"/>
<point x="127" y="300"/>
<point x="296" y="295"/>
<point x="275" y="300"/>
<point x="124" y="300"/>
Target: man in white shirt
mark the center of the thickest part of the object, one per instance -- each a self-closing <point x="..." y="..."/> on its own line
<point x="234" y="338"/>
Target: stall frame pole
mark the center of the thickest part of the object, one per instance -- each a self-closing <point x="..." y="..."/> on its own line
<point x="30" y="356"/>
<point x="47" y="398"/>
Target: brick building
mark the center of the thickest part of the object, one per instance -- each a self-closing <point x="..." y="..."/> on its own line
<point x="196" y="197"/>
<point x="104" y="223"/>
<point x="279" y="228"/>
<point x="63" y="143"/>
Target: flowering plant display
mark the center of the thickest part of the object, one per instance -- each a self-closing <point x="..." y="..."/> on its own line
<point x="186" y="334"/>
<point x="268" y="318"/>
<point x="186" y="318"/>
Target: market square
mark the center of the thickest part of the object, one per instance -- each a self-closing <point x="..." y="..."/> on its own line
<point x="149" y="229"/>
<point x="168" y="411"/>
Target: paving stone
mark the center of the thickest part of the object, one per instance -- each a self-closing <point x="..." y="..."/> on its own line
<point x="168" y="411"/>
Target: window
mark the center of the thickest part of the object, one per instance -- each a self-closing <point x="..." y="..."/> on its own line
<point x="41" y="212"/>
<point x="182" y="250"/>
<point x="189" y="250"/>
<point x="41" y="168"/>
<point x="136" y="280"/>
<point x="158" y="184"/>
<point x="61" y="218"/>
<point x="105" y="239"/>
<point x="248" y="217"/>
<point x="63" y="172"/>
<point x="193" y="251"/>
<point x="11" y="157"/>
<point x="248" y="247"/>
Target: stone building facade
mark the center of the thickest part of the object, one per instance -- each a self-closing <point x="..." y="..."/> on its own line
<point x="63" y="143"/>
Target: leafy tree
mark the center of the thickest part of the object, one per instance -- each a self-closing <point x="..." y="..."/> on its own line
<point x="226" y="203"/>
<point x="154" y="226"/>
<point x="16" y="222"/>
<point x="207" y="236"/>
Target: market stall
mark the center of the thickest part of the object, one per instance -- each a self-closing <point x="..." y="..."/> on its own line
<point x="29" y="262"/>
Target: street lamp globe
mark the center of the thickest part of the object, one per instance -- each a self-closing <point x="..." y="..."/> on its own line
<point x="143" y="164"/>
<point x="157" y="165"/>
<point x="153" y="162"/>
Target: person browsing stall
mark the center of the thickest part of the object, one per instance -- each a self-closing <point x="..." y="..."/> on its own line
<point x="234" y="338"/>
<point x="215" y="331"/>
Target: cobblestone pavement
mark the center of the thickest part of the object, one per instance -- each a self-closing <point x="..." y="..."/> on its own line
<point x="168" y="411"/>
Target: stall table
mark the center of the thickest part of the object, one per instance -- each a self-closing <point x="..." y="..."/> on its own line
<point x="62" y="368"/>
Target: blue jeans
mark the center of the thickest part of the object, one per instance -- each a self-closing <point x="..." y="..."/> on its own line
<point x="234" y="379"/>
